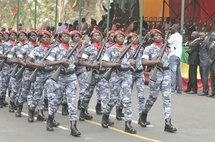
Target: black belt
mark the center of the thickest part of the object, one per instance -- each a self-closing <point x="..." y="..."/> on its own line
<point x="137" y="71"/>
<point x="124" y="69"/>
<point x="165" y="68"/>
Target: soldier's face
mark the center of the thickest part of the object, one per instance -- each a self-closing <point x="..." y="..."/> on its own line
<point x="202" y="36"/>
<point x="111" y="36"/>
<point x="33" y="37"/>
<point x="1" y="37"/>
<point x="22" y="37"/>
<point x="45" y="39"/>
<point x="135" y="39"/>
<point x="65" y="38"/>
<point x="6" y="37"/>
<point x="76" y="38"/>
<point x="97" y="37"/>
<point x="157" y="38"/>
<point x="13" y="36"/>
<point x="194" y="35"/>
<point x="120" y="39"/>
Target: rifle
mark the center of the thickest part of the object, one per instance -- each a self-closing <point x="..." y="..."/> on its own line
<point x="14" y="71"/>
<point x="81" y="52"/>
<point x="108" y="73"/>
<point x="34" y="74"/>
<point x="90" y="76"/>
<point x="137" y="51"/>
<point x="2" y="64"/>
<point x="153" y="77"/>
<point x="56" y="74"/>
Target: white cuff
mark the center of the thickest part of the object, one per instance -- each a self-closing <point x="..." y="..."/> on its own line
<point x="1" y="52"/>
<point x="10" y="56"/>
<point x="32" y="56"/>
<point x="145" y="57"/>
<point x="20" y="56"/>
<point x="105" y="58"/>
<point x="50" y="58"/>
<point x="85" y="56"/>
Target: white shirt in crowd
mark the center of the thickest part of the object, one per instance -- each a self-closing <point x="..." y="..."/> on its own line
<point x="175" y="44"/>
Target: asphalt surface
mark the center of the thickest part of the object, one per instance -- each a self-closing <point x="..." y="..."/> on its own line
<point x="193" y="116"/>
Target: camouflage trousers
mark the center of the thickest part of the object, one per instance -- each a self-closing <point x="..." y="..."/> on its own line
<point x="120" y="81"/>
<point x="55" y="92"/>
<point x="163" y="83"/>
<point x="81" y="78"/>
<point x="38" y="87"/>
<point x="25" y="91"/>
<point x="15" y="87"/>
<point x="138" y="79"/>
<point x="4" y="81"/>
<point x="102" y="90"/>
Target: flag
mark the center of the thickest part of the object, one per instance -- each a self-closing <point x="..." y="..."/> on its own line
<point x="185" y="72"/>
<point x="75" y="4"/>
<point x="15" y="13"/>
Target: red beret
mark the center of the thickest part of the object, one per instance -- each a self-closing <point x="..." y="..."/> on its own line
<point x="132" y="34"/>
<point x="76" y="32"/>
<point x="153" y="31"/>
<point x="96" y="31"/>
<point x="2" y="33"/>
<point x="44" y="32"/>
<point x="110" y="32"/>
<point x="13" y="31"/>
<point x="21" y="31"/>
<point x="33" y="31"/>
<point x="119" y="32"/>
<point x="64" y="31"/>
<point x="6" y="33"/>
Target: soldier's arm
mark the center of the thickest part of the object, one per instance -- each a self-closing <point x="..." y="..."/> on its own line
<point x="21" y="62"/>
<point x="109" y="64"/>
<point x="84" y="62"/>
<point x="30" y="63"/>
<point x="11" y="61"/>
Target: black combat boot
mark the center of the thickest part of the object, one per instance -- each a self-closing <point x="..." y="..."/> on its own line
<point x="41" y="116"/>
<point x="110" y="123"/>
<point x="129" y="128"/>
<point x="118" y="113"/>
<point x="49" y="122"/>
<point x="79" y="104"/>
<point x="74" y="130"/>
<point x="84" y="115"/>
<point x="45" y="105"/>
<point x="55" y="124"/>
<point x="30" y="115"/>
<point x="65" y="109"/>
<point x="105" y="121"/>
<point x="168" y="126"/>
<point x="98" y="108"/>
<point x="1" y="103"/>
<point x="4" y="102"/>
<point x="19" y="110"/>
<point x="11" y="107"/>
<point x="143" y="120"/>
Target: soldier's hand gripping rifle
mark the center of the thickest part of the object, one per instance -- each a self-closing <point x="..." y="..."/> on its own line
<point x="108" y="73"/>
<point x="153" y="77"/>
<point x="34" y="74"/>
<point x="56" y="74"/>
<point x="137" y="51"/>
<point x="90" y="76"/>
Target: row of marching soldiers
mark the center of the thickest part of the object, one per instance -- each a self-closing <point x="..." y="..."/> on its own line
<point x="59" y="66"/>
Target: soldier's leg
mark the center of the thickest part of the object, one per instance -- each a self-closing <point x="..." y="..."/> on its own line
<point x="166" y="94"/>
<point x="70" y="90"/>
<point x="4" y="82"/>
<point x="82" y="87"/>
<point x="140" y="92"/>
<point x="98" y="106"/>
<point x="13" y="94"/>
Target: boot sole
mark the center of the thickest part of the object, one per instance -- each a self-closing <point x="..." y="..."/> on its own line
<point x="170" y="131"/>
<point x="130" y="132"/>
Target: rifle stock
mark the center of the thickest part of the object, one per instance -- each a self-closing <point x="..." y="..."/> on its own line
<point x="108" y="73"/>
<point x="14" y="71"/>
<point x="20" y="72"/>
<point x="33" y="75"/>
<point x="2" y="64"/>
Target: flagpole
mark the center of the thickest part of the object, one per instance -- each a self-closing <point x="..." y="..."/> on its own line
<point x="141" y="21"/>
<point x="17" y="16"/>
<point x="56" y="16"/>
<point x="79" y="21"/>
<point x="108" y="18"/>
<point x="35" y="15"/>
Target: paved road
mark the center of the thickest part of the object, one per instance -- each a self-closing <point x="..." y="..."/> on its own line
<point x="192" y="115"/>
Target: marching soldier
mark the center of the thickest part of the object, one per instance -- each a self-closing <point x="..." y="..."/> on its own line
<point x="43" y="74"/>
<point x="88" y="59"/>
<point x="163" y="82"/>
<point x="6" y="69"/>
<point x="138" y="77"/>
<point x="121" y="79"/>
<point x="67" y="83"/>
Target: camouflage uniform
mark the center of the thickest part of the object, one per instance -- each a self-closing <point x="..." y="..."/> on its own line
<point x="42" y="76"/>
<point x="25" y="83"/>
<point x="67" y="83"/>
<point x="120" y="79"/>
<point x="163" y="82"/>
<point x="90" y="54"/>
<point x="138" y="79"/>
<point x="5" y="48"/>
<point x="15" y="82"/>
